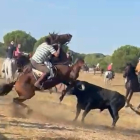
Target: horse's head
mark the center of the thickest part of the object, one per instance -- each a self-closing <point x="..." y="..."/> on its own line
<point x="23" y="60"/>
<point x="129" y="70"/>
<point x="61" y="39"/>
<point x="79" y="62"/>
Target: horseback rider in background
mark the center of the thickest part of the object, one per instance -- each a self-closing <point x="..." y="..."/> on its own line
<point x="9" y="54"/>
<point x="41" y="60"/>
<point x="97" y="66"/>
<point x="138" y="70"/>
<point x="109" y="69"/>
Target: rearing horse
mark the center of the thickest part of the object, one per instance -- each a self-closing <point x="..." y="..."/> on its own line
<point x="24" y="85"/>
<point x="132" y="85"/>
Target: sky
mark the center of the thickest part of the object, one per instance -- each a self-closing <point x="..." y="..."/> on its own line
<point x="97" y="26"/>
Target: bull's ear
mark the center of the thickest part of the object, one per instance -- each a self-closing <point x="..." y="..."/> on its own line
<point x="80" y="86"/>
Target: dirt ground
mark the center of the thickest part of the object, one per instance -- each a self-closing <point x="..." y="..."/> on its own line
<point x="52" y="120"/>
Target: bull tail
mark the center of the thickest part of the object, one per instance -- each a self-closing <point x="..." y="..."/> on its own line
<point x="6" y="88"/>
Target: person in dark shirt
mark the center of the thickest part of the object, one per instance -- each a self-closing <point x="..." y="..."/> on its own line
<point x="10" y="50"/>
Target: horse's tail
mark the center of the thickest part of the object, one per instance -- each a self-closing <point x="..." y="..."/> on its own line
<point x="6" y="88"/>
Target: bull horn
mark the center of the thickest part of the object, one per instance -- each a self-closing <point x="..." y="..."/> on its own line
<point x="81" y="86"/>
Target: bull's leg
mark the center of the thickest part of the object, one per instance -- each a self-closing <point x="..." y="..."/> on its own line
<point x="87" y="109"/>
<point x="114" y="114"/>
<point x="78" y="107"/>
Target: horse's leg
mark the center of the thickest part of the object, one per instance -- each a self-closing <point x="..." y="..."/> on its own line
<point x="64" y="92"/>
<point x="129" y="98"/>
<point x="19" y="101"/>
<point x="55" y="89"/>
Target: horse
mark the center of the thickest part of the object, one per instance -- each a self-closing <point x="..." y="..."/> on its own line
<point x="132" y="85"/>
<point x="24" y="84"/>
<point x="97" y="69"/>
<point x="108" y="76"/>
<point x="9" y="68"/>
<point x="85" y="68"/>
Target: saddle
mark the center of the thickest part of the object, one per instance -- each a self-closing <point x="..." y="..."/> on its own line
<point x="38" y="73"/>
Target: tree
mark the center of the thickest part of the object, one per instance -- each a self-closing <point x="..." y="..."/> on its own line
<point x="2" y="50"/>
<point x="123" y="55"/>
<point x="26" y="40"/>
<point x="93" y="59"/>
<point x="42" y="39"/>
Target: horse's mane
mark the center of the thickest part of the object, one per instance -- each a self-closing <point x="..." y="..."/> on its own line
<point x="131" y="66"/>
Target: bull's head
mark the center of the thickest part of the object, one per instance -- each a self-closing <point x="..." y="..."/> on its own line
<point x="80" y="86"/>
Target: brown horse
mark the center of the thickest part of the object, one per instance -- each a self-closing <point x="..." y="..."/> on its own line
<point x="24" y="85"/>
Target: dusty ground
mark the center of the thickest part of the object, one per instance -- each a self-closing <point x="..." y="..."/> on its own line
<point x="52" y="120"/>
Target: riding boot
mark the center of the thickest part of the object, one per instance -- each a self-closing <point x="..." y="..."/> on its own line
<point x="51" y="73"/>
<point x="38" y="83"/>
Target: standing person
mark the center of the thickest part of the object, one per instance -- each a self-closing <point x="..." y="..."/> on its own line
<point x="41" y="59"/>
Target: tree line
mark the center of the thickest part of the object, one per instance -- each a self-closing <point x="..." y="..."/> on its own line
<point x="119" y="58"/>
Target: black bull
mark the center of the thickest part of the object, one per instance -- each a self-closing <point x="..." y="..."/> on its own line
<point x="91" y="96"/>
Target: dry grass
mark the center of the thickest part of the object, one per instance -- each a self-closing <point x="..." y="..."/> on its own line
<point x="52" y="120"/>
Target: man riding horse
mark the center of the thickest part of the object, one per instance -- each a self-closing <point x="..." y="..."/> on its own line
<point x="26" y="81"/>
<point x="41" y="59"/>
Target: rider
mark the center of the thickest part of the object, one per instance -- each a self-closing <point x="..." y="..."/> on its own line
<point x="41" y="57"/>
<point x="109" y="68"/>
<point x="10" y="50"/>
<point x="9" y="54"/>
<point x="98" y="65"/>
<point x="69" y="57"/>
<point x="18" y="52"/>
<point x="138" y="69"/>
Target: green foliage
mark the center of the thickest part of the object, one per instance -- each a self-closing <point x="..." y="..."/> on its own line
<point x="40" y="41"/>
<point x="93" y="59"/>
<point x="123" y="55"/>
<point x="2" y="50"/>
<point x="26" y="40"/>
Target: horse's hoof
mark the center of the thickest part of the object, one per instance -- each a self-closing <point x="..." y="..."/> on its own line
<point x="74" y="120"/>
<point x="30" y="111"/>
<point x="61" y="98"/>
<point x="113" y="126"/>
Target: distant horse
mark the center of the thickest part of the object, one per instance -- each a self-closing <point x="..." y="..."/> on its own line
<point x="24" y="85"/>
<point x="98" y="69"/>
<point x="108" y="76"/>
<point x="132" y="85"/>
<point x="85" y="68"/>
